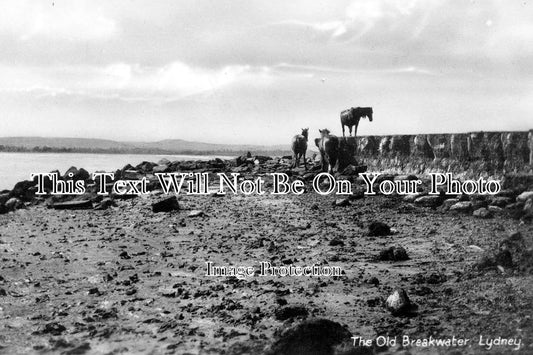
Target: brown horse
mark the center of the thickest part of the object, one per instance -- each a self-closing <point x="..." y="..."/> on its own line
<point x="299" y="147"/>
<point x="328" y="145"/>
<point x="351" y="117"/>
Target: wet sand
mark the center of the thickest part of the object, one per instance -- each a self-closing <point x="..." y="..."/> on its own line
<point x="127" y="280"/>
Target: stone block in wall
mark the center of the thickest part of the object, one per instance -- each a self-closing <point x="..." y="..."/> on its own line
<point x="459" y="146"/>
<point x="399" y="145"/>
<point x="440" y="145"/>
<point x="516" y="151"/>
<point x="472" y="154"/>
<point x="486" y="147"/>
<point x="494" y="150"/>
<point x="384" y="145"/>
<point x="421" y="147"/>
<point x="367" y="146"/>
<point x="476" y="147"/>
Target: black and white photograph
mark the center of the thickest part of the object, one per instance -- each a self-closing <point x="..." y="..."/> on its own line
<point x="281" y="177"/>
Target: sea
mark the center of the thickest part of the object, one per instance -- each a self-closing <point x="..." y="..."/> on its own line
<point x="15" y="167"/>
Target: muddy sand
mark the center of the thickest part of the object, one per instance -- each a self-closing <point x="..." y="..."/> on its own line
<point x="128" y="280"/>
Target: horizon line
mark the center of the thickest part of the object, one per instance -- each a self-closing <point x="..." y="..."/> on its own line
<point x="251" y="144"/>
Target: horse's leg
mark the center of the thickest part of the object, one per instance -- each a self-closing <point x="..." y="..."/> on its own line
<point x="305" y="160"/>
<point x="355" y="129"/>
<point x="332" y="163"/>
<point x="342" y="129"/>
<point x="350" y="130"/>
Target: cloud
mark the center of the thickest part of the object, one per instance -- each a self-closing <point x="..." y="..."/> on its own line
<point x="170" y="82"/>
<point x="173" y="81"/>
<point x="311" y="69"/>
<point x="362" y="16"/>
<point x="71" y="20"/>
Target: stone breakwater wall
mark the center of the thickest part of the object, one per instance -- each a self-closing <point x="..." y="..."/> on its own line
<point x="467" y="154"/>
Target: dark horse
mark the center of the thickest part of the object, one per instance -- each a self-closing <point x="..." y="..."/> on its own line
<point x="351" y="117"/>
<point x="328" y="145"/>
<point x="299" y="147"/>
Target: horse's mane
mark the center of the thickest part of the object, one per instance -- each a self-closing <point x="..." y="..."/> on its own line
<point x="364" y="109"/>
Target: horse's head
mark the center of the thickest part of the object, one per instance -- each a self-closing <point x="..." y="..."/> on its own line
<point x="324" y="132"/>
<point x="369" y="113"/>
<point x="362" y="112"/>
<point x="305" y="132"/>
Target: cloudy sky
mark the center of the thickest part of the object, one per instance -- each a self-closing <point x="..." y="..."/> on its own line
<point x="246" y="71"/>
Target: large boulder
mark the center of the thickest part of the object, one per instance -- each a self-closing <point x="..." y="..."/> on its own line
<point x="131" y="175"/>
<point x="13" y="204"/>
<point x="311" y="337"/>
<point x="398" y="303"/>
<point x="394" y="253"/>
<point x="163" y="161"/>
<point x="500" y="201"/>
<point x="161" y="169"/>
<point x="24" y="190"/>
<point x="76" y="174"/>
<point x="145" y="167"/>
<point x="167" y="205"/>
<point x="482" y="213"/>
<point x="429" y="200"/>
<point x="463" y="206"/>
<point x="378" y="229"/>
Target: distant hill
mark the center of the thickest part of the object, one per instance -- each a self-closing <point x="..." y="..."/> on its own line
<point x="183" y="145"/>
<point x="30" y="142"/>
<point x="176" y="146"/>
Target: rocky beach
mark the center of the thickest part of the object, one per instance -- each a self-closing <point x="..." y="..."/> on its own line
<point x="128" y="273"/>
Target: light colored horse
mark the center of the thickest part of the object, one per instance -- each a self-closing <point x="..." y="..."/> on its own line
<point x="351" y="117"/>
<point x="299" y="147"/>
<point x="328" y="145"/>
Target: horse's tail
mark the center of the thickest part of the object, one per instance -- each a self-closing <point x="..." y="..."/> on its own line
<point x="332" y="144"/>
<point x="299" y="143"/>
<point x="331" y="148"/>
<point x="295" y="145"/>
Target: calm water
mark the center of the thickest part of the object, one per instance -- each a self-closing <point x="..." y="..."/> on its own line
<point x="15" y="167"/>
